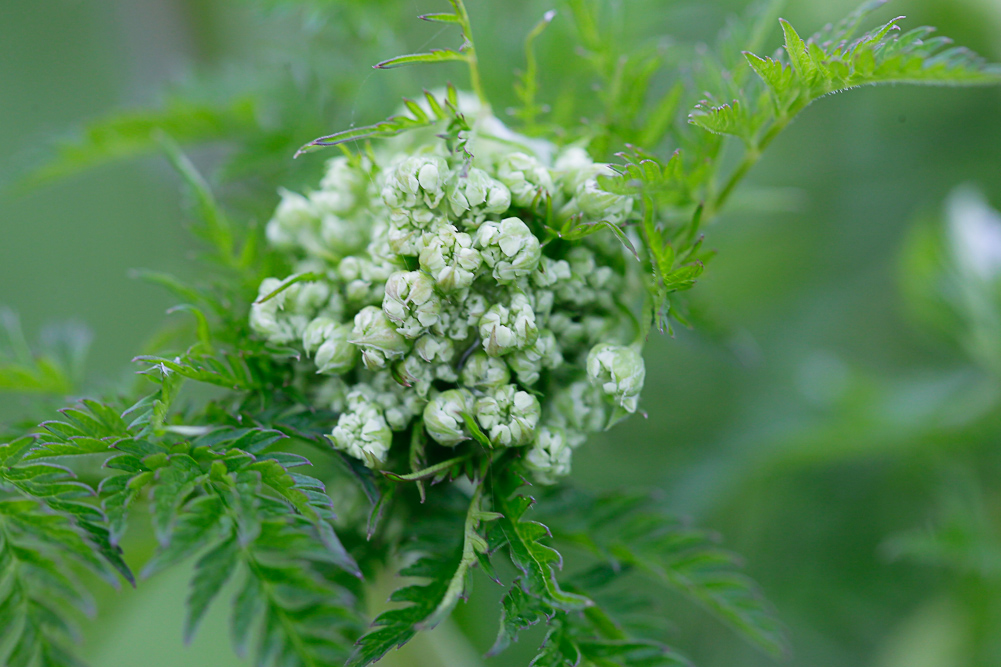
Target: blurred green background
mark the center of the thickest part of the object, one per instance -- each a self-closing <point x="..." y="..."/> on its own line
<point x="836" y="431"/>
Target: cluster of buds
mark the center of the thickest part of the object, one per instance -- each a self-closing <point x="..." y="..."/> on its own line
<point x="442" y="298"/>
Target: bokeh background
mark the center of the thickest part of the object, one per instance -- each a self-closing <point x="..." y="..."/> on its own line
<point x="828" y="414"/>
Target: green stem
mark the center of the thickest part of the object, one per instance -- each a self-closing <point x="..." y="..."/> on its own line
<point x="751" y="158"/>
<point x="474" y="65"/>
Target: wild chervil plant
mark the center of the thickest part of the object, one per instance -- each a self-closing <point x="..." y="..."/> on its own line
<point x="447" y="314"/>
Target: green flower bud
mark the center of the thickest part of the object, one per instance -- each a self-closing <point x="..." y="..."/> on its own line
<point x="619" y="371"/>
<point x="443" y="416"/>
<point x="484" y="372"/>
<point x="336" y="355"/>
<point x="551" y="272"/>
<point x="449" y="256"/>
<point x="508" y="416"/>
<point x="509" y="248"/>
<point x="526" y="177"/>
<point x="411" y="302"/>
<point x="549" y="457"/>
<point x="504" y="329"/>
<point x="377" y="338"/>
<point x="527" y="364"/>
<point x="569" y="332"/>
<point x="363" y="434"/>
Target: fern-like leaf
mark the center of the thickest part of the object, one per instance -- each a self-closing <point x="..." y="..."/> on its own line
<point x="446" y="110"/>
<point x="446" y="566"/>
<point x="630" y="533"/>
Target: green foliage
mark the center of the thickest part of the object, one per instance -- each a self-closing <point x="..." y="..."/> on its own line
<point x="216" y="468"/>
<point x="47" y="531"/>
<point x="629" y="533"/>
<point x="447" y="569"/>
<point x="445" y="110"/>
<point x="832" y="61"/>
<point x="135" y="133"/>
<point x="57" y="369"/>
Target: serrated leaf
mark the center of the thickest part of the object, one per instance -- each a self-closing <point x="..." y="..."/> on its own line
<point x="535" y="560"/>
<point x="630" y="532"/>
<point x="429" y="603"/>
<point x="212" y="571"/>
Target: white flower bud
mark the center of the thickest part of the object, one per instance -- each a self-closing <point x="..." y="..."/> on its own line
<point x="416" y="181"/>
<point x="377" y="338"/>
<point x="526" y="177"/>
<point x="435" y="349"/>
<point x="549" y="457"/>
<point x="307" y="298"/>
<point x="294" y="224"/>
<point x="483" y="372"/>
<point x="449" y="256"/>
<point x="589" y="283"/>
<point x="478" y="191"/>
<point x="509" y="248"/>
<point x="504" y="329"/>
<point x="527" y="364"/>
<point x="336" y="355"/>
<point x="341" y="236"/>
<point x="416" y="374"/>
<point x="270" y="318"/>
<point x="399" y="403"/>
<point x="316" y="332"/>
<point x="579" y="409"/>
<point x="363" y="434"/>
<point x="331" y="394"/>
<point x="443" y="416"/>
<point x="594" y="204"/>
<point x="411" y="302"/>
<point x="341" y="184"/>
<point x="364" y="280"/>
<point x="619" y="371"/>
<point x="508" y="416"/>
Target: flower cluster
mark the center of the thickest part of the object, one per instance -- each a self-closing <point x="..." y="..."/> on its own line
<point x="448" y="302"/>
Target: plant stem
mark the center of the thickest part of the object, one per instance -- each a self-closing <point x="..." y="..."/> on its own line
<point x="474" y="65"/>
<point x="751" y="158"/>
